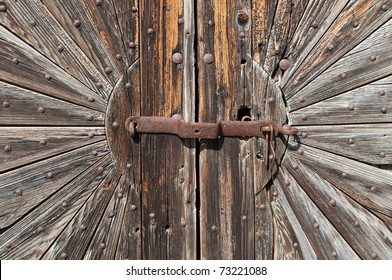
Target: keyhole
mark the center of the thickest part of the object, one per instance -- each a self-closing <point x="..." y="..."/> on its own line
<point x="244" y="114"/>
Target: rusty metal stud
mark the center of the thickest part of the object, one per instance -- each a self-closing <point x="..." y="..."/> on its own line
<point x="63" y="256"/>
<point x="356" y="224"/>
<point x="115" y="124"/>
<point x="343" y="75"/>
<point x="287" y="183"/>
<point x="108" y="70"/>
<point x="271" y="157"/>
<point x="262" y="206"/>
<point x="64" y="204"/>
<point x="315" y="24"/>
<point x="244" y="218"/>
<point x="3" y="8"/>
<point x="98" y="2"/>
<point x="351" y="141"/>
<point x="275" y="194"/>
<point x="332" y="202"/>
<point x="181" y="21"/>
<point x="132" y="45"/>
<point x="242" y="18"/>
<point x="271" y="100"/>
<point x="48" y="77"/>
<point x="99" y="85"/>
<point x="214" y="228"/>
<point x="301" y="99"/>
<point x="134" y="9"/>
<point x="150" y="31"/>
<point x="241" y="35"/>
<point x="295" y="245"/>
<point x="373" y="58"/>
<point x="330" y="47"/>
<point x="133" y="207"/>
<point x="304" y="117"/>
<point x="301" y="151"/>
<point x="152" y="215"/>
<point x="210" y="23"/>
<point x="90" y="98"/>
<point x="89" y="117"/>
<point x="355" y="24"/>
<point x="102" y="246"/>
<point x="382" y="154"/>
<point x="177" y="58"/>
<point x="8" y="246"/>
<point x="334" y="254"/>
<point x="60" y="48"/>
<point x="386" y="238"/>
<point x="42" y="142"/>
<point x="284" y="64"/>
<point x="82" y="228"/>
<point x="305" y="135"/>
<point x="128" y="85"/>
<point x="39" y="229"/>
<point x="384" y="7"/>
<point x="7" y="148"/>
<point x="94" y="152"/>
<point x="183" y="223"/>
<point x="350" y="107"/>
<point x="100" y="170"/>
<point x="373" y="189"/>
<point x="119" y="195"/>
<point x="374" y="256"/>
<point x="344" y="175"/>
<point x="316" y="226"/>
<point x="384" y="110"/>
<point x="382" y="93"/>
<point x="33" y="23"/>
<point x="295" y="166"/>
<point x="76" y="23"/>
<point x="208" y="58"/>
<point x="129" y="165"/>
<point x="41" y="110"/>
<point x="15" y="61"/>
<point x="118" y="56"/>
<point x="6" y="104"/>
<point x="50" y="175"/>
<point x="18" y="192"/>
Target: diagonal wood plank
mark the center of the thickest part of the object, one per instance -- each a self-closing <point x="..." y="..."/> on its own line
<point x="34" y="24"/>
<point x="363" y="231"/>
<point x="320" y="233"/>
<point x="364" y="105"/>
<point x="76" y="238"/>
<point x="356" y="22"/>
<point x="32" y="236"/>
<point x="368" y="62"/>
<point x="371" y="187"/>
<point x="96" y="30"/>
<point x="24" y="188"/>
<point x="367" y="143"/>
<point x="22" y="107"/>
<point x="30" y="144"/>
<point x="23" y="66"/>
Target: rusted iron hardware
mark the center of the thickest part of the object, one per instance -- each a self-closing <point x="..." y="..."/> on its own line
<point x="176" y="126"/>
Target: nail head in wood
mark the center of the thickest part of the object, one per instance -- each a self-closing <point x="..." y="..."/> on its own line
<point x="50" y="175"/>
<point x="42" y="142"/>
<point x="373" y="58"/>
<point x="241" y="35"/>
<point x="374" y="256"/>
<point x="384" y="110"/>
<point x="82" y="228"/>
<point x="90" y="98"/>
<point x="384" y="7"/>
<point x="242" y="18"/>
<point x="89" y="117"/>
<point x="295" y="245"/>
<point x="115" y="125"/>
<point x="18" y="192"/>
<point x="351" y="141"/>
<point x="344" y="175"/>
<point x="102" y="246"/>
<point x="152" y="215"/>
<point x="382" y="93"/>
<point x="64" y="204"/>
<point x="118" y="56"/>
<point x="6" y="104"/>
<point x="355" y="24"/>
<point x="210" y="23"/>
<point x="332" y="202"/>
<point x="132" y="45"/>
<point x="330" y="47"/>
<point x="284" y="64"/>
<point x="60" y="48"/>
<point x="181" y="21"/>
<point x="208" y="58"/>
<point x="316" y="226"/>
<point x="350" y="107"/>
<point x="41" y="110"/>
<point x="98" y="2"/>
<point x="108" y="70"/>
<point x="271" y="100"/>
<point x="129" y="165"/>
<point x="33" y="23"/>
<point x="100" y="170"/>
<point x="150" y="31"/>
<point x="8" y="246"/>
<point x="76" y="23"/>
<point x="214" y="228"/>
<point x="382" y="154"/>
<point x="99" y="85"/>
<point x="48" y="77"/>
<point x="262" y="206"/>
<point x="39" y="229"/>
<point x="15" y="61"/>
<point x="119" y="195"/>
<point x="3" y="8"/>
<point x="7" y="148"/>
<point x="63" y="256"/>
<point x="133" y="207"/>
<point x="305" y="135"/>
<point x="134" y="9"/>
<point x="182" y="223"/>
<point x="334" y="254"/>
<point x="301" y="99"/>
<point x="112" y="214"/>
<point x="315" y="24"/>
<point x="244" y="218"/>
<point x="343" y="75"/>
<point x="304" y="117"/>
<point x="177" y="58"/>
<point x="356" y="224"/>
<point x="287" y="183"/>
<point x="373" y="189"/>
<point x="94" y="152"/>
<point x="128" y="85"/>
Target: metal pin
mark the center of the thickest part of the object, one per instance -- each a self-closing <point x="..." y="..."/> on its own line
<point x="152" y="215"/>
<point x="214" y="228"/>
<point x="316" y="226"/>
<point x="63" y="256"/>
<point x="100" y="170"/>
<point x="60" y="48"/>
<point x="208" y="58"/>
<point x="284" y="64"/>
<point x="18" y="192"/>
<point x="99" y="85"/>
<point x="8" y="246"/>
<point x="41" y="110"/>
<point x="15" y="61"/>
<point x="129" y="165"/>
<point x="332" y="202"/>
<point x="82" y="228"/>
<point x="108" y="70"/>
<point x="76" y="22"/>
<point x="351" y="141"/>
<point x="133" y="207"/>
<point x="181" y="21"/>
<point x="177" y="58"/>
<point x="90" y="98"/>
<point x="132" y="45"/>
<point x="382" y="154"/>
<point x="50" y="175"/>
<point x="42" y="142"/>
<point x="384" y="110"/>
<point x="118" y="56"/>
<point x="6" y="104"/>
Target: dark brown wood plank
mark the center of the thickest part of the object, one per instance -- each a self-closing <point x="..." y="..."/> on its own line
<point x="367" y="143"/>
<point x="30" y="144"/>
<point x="363" y="231"/>
<point x="79" y="234"/>
<point x="32" y="236"/>
<point x="368" y="62"/>
<point x="23" y="66"/>
<point x="36" y="26"/>
<point x="364" y="105"/>
<point x="22" y="107"/>
<point x="24" y="188"/>
<point x="357" y="21"/>
<point x="96" y="30"/>
<point x="320" y="233"/>
<point x="168" y="164"/>
<point x="371" y="187"/>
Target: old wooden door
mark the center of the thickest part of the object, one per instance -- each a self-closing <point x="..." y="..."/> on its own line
<point x="75" y="185"/>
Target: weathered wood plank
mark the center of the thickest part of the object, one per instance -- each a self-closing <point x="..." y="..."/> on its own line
<point x="128" y="20"/>
<point x="30" y="144"/>
<point x="24" y="107"/>
<point x="371" y="187"/>
<point x="35" y="25"/>
<point x="169" y="181"/>
<point x="96" y="30"/>
<point x="290" y="241"/>
<point x="264" y="226"/>
<point x="77" y="236"/>
<point x="24" y="188"/>
<point x="31" y="236"/>
<point x="316" y="19"/>
<point x="357" y="21"/>
<point x="321" y="234"/>
<point x="363" y="231"/>
<point x="23" y="66"/>
<point x="367" y="143"/>
<point x="362" y="105"/>
<point x="368" y="62"/>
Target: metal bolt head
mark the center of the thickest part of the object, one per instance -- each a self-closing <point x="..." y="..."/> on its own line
<point x="42" y="142"/>
<point x="316" y="226"/>
<point x="89" y="117"/>
<point x="304" y="117"/>
<point x="133" y="207"/>
<point x="315" y="24"/>
<point x="132" y="45"/>
<point x="99" y="85"/>
<point x="384" y="7"/>
<point x="100" y="170"/>
<point x="90" y="98"/>
<point x="7" y="148"/>
<point x="115" y="124"/>
<point x="382" y="93"/>
<point x="50" y="175"/>
<point x="41" y="110"/>
<point x="76" y="22"/>
<point x="242" y="18"/>
<point x="102" y="246"/>
<point x="150" y="31"/>
<point x="208" y="58"/>
<point x="356" y="224"/>
<point x="355" y="24"/>
<point x="129" y="165"/>
<point x="350" y="107"/>
<point x="344" y="175"/>
<point x="210" y="23"/>
<point x="94" y="152"/>
<point x="128" y="85"/>
<point x="330" y="47"/>
<point x="241" y="35"/>
<point x="63" y="256"/>
<point x="134" y="9"/>
<point x="373" y="58"/>
<point x="351" y="141"/>
<point x="384" y="110"/>
<point x="343" y="75"/>
<point x="39" y="229"/>
<point x="60" y="48"/>
<point x="18" y="192"/>
<point x="82" y="228"/>
<point x="48" y="77"/>
<point x="3" y="8"/>
<point x="373" y="189"/>
<point x="15" y="61"/>
<point x="244" y="218"/>
<point x="98" y="2"/>
<point x="295" y="245"/>
<point x="108" y="70"/>
<point x="332" y="202"/>
<point x="382" y="154"/>
<point x="6" y="104"/>
<point x="64" y="204"/>
<point x="284" y="64"/>
<point x="305" y="135"/>
<point x="262" y="206"/>
<point x="177" y="58"/>
<point x="181" y="21"/>
<point x="8" y="246"/>
<point x="152" y="215"/>
<point x="214" y="228"/>
<point x="334" y="254"/>
<point x="118" y="56"/>
<point x="119" y="195"/>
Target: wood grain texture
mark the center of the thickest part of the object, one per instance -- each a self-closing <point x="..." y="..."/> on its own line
<point x="321" y="234"/>
<point x="368" y="62"/>
<point x="76" y="237"/>
<point x="363" y="231"/>
<point x="30" y="144"/>
<point x="29" y="108"/>
<point x="362" y="105"/>
<point x="98" y="33"/>
<point x="35" y="25"/>
<point x="35" y="184"/>
<point x="35" y="72"/>
<point x="169" y="181"/>
<point x="366" y="143"/>
<point x="355" y="22"/>
<point x="53" y="215"/>
<point x="264" y="226"/>
<point x="353" y="178"/>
